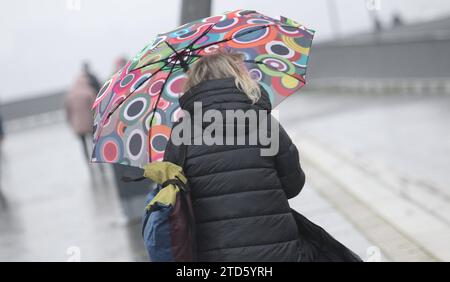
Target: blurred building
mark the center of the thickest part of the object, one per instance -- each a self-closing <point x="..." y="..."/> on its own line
<point x="414" y="54"/>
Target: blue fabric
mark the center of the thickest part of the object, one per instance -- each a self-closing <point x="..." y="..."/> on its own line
<point x="157" y="232"/>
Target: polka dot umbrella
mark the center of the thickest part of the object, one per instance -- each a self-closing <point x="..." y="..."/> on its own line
<point x="135" y="109"/>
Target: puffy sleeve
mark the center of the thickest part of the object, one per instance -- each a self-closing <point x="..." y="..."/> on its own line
<point x="287" y="163"/>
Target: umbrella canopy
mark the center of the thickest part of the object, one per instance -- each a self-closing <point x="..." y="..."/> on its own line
<point x="135" y="109"/>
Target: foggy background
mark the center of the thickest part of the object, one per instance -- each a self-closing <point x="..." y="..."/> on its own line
<point x="43" y="42"/>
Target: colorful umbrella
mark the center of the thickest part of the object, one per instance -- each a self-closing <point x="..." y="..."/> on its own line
<point x="135" y="109"/>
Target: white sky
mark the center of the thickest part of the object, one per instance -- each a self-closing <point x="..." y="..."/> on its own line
<point x="43" y="42"/>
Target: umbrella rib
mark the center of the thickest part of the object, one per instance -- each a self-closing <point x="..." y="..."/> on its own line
<point x="171" y="47"/>
<point x="121" y="102"/>
<point x="156" y="106"/>
<point x="201" y="47"/>
<point x="200" y="36"/>
<point x="183" y="63"/>
<point x="194" y="49"/>
<point x="179" y="57"/>
<point x="149" y="64"/>
<point x="217" y="42"/>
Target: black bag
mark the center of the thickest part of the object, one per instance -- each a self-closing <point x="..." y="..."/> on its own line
<point x="316" y="245"/>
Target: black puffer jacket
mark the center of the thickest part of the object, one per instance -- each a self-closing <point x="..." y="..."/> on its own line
<point x="239" y="197"/>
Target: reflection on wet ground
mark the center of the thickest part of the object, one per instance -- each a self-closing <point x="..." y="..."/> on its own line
<point x="52" y="202"/>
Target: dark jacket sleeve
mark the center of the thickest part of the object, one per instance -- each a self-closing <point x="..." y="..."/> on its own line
<point x="287" y="163"/>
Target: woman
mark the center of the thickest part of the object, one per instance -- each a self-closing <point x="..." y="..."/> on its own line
<point x="78" y="105"/>
<point x="240" y="198"/>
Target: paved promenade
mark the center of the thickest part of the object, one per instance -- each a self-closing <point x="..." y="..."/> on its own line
<point x="376" y="180"/>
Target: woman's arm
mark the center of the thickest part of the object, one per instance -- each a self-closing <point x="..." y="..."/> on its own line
<point x="288" y="166"/>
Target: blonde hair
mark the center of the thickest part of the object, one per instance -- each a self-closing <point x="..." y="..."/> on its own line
<point x="223" y="65"/>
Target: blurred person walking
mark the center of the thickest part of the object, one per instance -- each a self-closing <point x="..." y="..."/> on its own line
<point x="78" y="105"/>
<point x="93" y="81"/>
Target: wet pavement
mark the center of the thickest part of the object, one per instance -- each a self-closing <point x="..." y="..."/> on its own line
<point x="57" y="208"/>
<point x="382" y="161"/>
<point x="407" y="133"/>
<point x="53" y="207"/>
